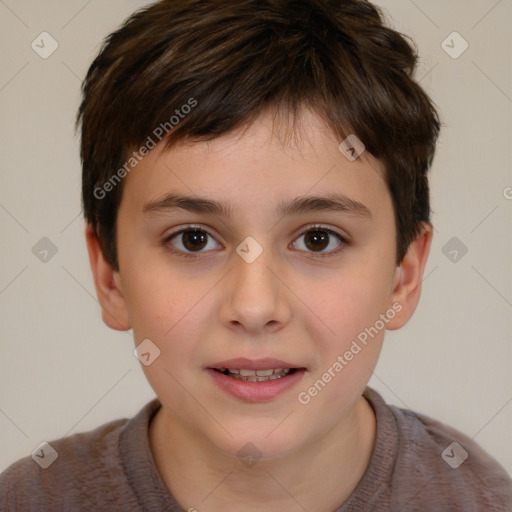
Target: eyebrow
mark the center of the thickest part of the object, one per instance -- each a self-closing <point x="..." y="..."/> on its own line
<point x="299" y="205"/>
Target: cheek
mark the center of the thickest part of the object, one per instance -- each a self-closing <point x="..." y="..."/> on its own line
<point x="355" y="300"/>
<point x="171" y="310"/>
<point x="157" y="295"/>
<point x="348" y="357"/>
<point x="153" y="308"/>
<point x="353" y="309"/>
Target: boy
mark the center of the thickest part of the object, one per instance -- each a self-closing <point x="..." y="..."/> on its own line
<point x="221" y="141"/>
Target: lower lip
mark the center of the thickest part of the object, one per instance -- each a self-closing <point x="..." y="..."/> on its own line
<point x="256" y="391"/>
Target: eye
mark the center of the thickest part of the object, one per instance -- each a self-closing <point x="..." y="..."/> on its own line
<point x="317" y="239"/>
<point x="191" y="240"/>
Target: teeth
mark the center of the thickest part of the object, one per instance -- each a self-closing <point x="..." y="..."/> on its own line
<point x="264" y="373"/>
<point x="256" y="375"/>
<point x="247" y="373"/>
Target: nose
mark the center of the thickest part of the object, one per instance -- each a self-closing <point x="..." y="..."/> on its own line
<point x="255" y="296"/>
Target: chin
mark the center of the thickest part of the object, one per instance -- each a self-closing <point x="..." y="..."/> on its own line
<point x="260" y="442"/>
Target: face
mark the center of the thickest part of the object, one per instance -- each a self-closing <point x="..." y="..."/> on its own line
<point x="259" y="277"/>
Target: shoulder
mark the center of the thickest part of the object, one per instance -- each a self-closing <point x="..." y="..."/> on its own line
<point x="447" y="467"/>
<point x="79" y="469"/>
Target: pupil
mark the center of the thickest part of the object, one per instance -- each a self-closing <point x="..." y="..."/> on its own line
<point x="317" y="237"/>
<point x="194" y="240"/>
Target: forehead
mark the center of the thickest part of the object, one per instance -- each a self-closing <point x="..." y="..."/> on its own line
<point x="258" y="165"/>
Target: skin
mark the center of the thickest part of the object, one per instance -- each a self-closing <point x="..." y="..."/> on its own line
<point x="288" y="304"/>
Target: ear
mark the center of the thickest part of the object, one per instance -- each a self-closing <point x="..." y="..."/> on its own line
<point x="408" y="278"/>
<point x="107" y="283"/>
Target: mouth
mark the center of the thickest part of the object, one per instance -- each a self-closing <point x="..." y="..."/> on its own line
<point x="248" y="375"/>
<point x="256" y="380"/>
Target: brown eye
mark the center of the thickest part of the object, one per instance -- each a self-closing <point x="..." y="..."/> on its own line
<point x="194" y="240"/>
<point x="317" y="240"/>
<point x="189" y="241"/>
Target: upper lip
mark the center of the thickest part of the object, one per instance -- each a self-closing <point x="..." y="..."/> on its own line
<point x="253" y="364"/>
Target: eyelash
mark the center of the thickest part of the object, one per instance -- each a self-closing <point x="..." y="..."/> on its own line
<point x="317" y="227"/>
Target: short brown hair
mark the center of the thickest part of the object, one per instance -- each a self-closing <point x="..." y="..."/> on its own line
<point x="237" y="58"/>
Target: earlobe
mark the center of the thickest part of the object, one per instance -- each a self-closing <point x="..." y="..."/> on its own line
<point x="107" y="282"/>
<point x="408" y="277"/>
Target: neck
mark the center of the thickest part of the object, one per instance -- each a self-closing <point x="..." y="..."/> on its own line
<point x="319" y="477"/>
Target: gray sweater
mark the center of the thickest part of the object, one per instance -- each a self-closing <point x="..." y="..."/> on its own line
<point x="417" y="464"/>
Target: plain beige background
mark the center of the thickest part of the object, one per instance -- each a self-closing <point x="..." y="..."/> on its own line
<point x="62" y="371"/>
